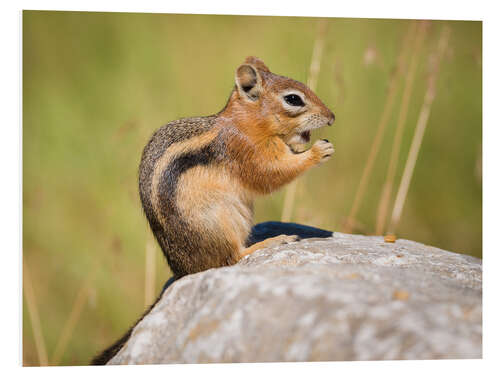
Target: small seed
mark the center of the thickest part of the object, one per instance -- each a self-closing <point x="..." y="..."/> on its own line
<point x="401" y="295"/>
<point x="390" y="238"/>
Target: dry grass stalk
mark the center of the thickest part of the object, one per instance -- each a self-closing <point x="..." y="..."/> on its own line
<point x="349" y="223"/>
<point x="312" y="81"/>
<point x="383" y="207"/>
<point x="150" y="273"/>
<point x="29" y="294"/>
<point x="76" y="310"/>
<point x="319" y="44"/>
<point x="69" y="327"/>
<point x="423" y="118"/>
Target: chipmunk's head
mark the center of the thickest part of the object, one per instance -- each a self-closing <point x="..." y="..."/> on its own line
<point x="279" y="105"/>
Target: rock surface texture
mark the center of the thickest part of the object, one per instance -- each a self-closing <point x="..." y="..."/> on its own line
<point x="329" y="296"/>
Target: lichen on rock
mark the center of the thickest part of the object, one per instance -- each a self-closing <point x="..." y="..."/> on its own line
<point x="329" y="296"/>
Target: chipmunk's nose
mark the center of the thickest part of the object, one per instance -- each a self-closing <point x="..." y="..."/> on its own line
<point x="331" y="119"/>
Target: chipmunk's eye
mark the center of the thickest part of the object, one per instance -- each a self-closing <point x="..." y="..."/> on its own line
<point x="294" y="100"/>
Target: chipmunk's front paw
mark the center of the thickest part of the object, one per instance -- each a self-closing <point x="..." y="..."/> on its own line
<point x="283" y="239"/>
<point x="269" y="242"/>
<point x="322" y="150"/>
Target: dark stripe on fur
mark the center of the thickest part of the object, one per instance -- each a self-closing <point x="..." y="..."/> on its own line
<point x="188" y="250"/>
<point x="170" y="176"/>
<point x="162" y="139"/>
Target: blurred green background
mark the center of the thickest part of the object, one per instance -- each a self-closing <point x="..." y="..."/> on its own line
<point x="95" y="87"/>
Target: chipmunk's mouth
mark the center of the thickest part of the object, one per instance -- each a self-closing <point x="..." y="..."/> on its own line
<point x="306" y="136"/>
<point x="297" y="142"/>
<point x="301" y="135"/>
<point x="298" y="138"/>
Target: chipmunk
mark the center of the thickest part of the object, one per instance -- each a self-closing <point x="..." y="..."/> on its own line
<point x="199" y="176"/>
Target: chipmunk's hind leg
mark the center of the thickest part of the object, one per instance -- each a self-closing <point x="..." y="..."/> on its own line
<point x="269" y="242"/>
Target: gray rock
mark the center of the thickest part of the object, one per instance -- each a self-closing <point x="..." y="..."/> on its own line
<point x="340" y="297"/>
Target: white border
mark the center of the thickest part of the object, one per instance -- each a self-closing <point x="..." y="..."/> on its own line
<point x="428" y="9"/>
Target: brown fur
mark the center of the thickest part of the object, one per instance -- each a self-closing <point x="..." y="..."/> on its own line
<point x="198" y="177"/>
<point x="240" y="152"/>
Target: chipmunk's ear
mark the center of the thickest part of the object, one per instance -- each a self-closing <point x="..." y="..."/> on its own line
<point x="248" y="82"/>
<point x="258" y="63"/>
